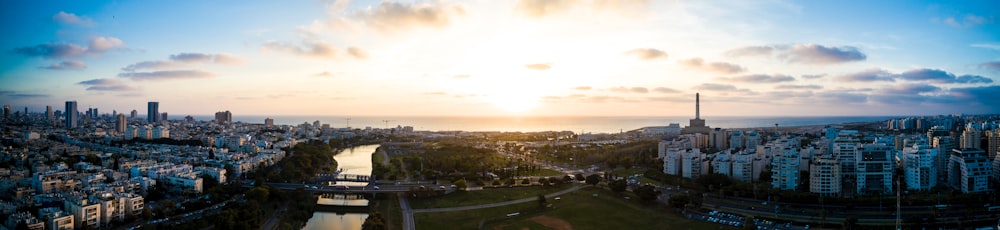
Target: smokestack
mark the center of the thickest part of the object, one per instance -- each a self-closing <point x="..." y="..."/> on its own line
<point x="697" y="106"/>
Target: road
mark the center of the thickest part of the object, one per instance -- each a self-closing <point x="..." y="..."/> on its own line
<point x="407" y="214"/>
<point x="505" y="203"/>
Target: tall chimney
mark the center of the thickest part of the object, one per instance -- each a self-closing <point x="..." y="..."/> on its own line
<point x="697" y="106"/>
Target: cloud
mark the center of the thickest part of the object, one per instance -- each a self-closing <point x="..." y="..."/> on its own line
<point x="357" y="52"/>
<point x="72" y="19"/>
<point x="813" y="76"/>
<point x="185" y="59"/>
<point x="222" y="58"/>
<point x="799" y="87"/>
<point x="227" y="59"/>
<point x="986" y="46"/>
<point x="909" y="89"/>
<point x="718" y="67"/>
<point x="803" y="53"/>
<point x="462" y="76"/>
<point x="541" y="8"/>
<point x="750" y="51"/>
<point x="151" y="65"/>
<point x="27" y="95"/>
<point x="539" y="66"/>
<point x="191" y="57"/>
<point x="716" y="87"/>
<point x="940" y="76"/>
<point x="319" y="49"/>
<point x="323" y="74"/>
<point x="986" y="95"/>
<point x="66" y="65"/>
<point x="166" y="75"/>
<point x="869" y="75"/>
<point x="969" y="20"/>
<point x="665" y="90"/>
<point x="583" y="88"/>
<point x="52" y="50"/>
<point x="647" y="53"/>
<point x="101" y="44"/>
<point x="544" y="8"/>
<point x="394" y="16"/>
<point x="623" y="89"/>
<point x="97" y="46"/>
<point x="761" y="78"/>
<point x="993" y="65"/>
<point x="818" y="54"/>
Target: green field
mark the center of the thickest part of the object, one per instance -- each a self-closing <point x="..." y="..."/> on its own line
<point x="486" y="196"/>
<point x="629" y="172"/>
<point x="544" y="172"/>
<point x="580" y="209"/>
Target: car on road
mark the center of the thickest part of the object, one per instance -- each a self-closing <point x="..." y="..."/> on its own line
<point x="375" y="187"/>
<point x="340" y="187"/>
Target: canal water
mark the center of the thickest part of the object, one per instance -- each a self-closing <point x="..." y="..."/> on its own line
<point x="357" y="160"/>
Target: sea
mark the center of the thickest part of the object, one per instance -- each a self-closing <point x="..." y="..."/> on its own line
<point x="577" y="124"/>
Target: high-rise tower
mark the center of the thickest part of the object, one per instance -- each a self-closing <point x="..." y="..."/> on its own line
<point x="71" y="114"/>
<point x="153" y="113"/>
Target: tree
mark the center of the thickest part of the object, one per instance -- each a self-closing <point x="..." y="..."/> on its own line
<point x="851" y="222"/>
<point x="749" y="224"/>
<point x="543" y="181"/>
<point x="555" y="181"/>
<point x="526" y="181"/>
<point x="579" y="177"/>
<point x="616" y="185"/>
<point x="541" y="200"/>
<point x="567" y="178"/>
<point x="374" y="222"/>
<point x="593" y="179"/>
<point x="258" y="194"/>
<point x="496" y="183"/>
<point x="647" y="193"/>
<point x="461" y="184"/>
<point x="679" y="200"/>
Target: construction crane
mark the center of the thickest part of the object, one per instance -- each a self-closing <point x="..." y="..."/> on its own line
<point x="348" y="122"/>
<point x="387" y="123"/>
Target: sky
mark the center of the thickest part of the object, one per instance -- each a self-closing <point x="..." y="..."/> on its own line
<point x="504" y="58"/>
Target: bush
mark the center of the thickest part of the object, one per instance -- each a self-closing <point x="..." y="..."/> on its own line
<point x="526" y="181"/>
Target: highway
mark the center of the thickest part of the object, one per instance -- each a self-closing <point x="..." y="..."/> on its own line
<point x="383" y="188"/>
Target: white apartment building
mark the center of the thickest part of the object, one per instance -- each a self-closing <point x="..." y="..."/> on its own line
<point x="85" y="213"/>
<point x="919" y="167"/>
<point x="56" y="219"/>
<point x="692" y="163"/>
<point x="722" y="163"/>
<point x="846" y="148"/>
<point x="969" y="170"/>
<point x="743" y="167"/>
<point x="874" y="169"/>
<point x="824" y="176"/>
<point x="784" y="167"/>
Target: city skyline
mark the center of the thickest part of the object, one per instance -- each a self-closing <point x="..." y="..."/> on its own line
<point x="493" y="58"/>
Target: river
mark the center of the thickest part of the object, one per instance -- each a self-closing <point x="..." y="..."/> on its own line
<point x="357" y="160"/>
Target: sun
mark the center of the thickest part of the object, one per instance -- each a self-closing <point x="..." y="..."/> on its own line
<point x="514" y="102"/>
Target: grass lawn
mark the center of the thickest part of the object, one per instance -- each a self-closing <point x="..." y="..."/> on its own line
<point x="580" y="209"/>
<point x="640" y="171"/>
<point x="545" y="172"/>
<point x="486" y="196"/>
<point x="465" y="219"/>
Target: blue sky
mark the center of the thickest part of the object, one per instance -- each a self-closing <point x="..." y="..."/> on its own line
<point x="557" y="57"/>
